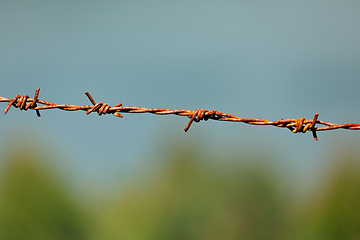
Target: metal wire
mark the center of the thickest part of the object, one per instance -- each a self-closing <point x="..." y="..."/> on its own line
<point x="300" y="125"/>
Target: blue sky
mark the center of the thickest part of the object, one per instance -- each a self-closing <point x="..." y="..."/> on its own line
<point x="272" y="60"/>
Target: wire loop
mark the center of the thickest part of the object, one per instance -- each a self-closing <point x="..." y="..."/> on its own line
<point x="23" y="102"/>
<point x="198" y="115"/>
<point x="102" y="108"/>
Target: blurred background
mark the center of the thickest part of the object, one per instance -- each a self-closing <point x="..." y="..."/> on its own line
<point x="71" y="176"/>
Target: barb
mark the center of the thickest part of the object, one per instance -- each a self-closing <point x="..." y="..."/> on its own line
<point x="300" y="125"/>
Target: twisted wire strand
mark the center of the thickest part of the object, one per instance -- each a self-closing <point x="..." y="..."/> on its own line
<point x="300" y="125"/>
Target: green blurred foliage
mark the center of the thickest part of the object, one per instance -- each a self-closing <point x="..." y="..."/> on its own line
<point x="190" y="200"/>
<point x="33" y="204"/>
<point x="185" y="199"/>
<point x="335" y="214"/>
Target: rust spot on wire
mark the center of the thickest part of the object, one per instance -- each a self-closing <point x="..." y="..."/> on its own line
<point x="300" y="125"/>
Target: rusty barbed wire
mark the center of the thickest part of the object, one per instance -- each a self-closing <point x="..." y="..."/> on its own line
<point x="300" y="125"/>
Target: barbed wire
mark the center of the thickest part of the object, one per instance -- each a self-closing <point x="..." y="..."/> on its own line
<point x="300" y="125"/>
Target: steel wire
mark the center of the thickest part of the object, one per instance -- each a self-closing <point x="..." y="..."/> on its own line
<point x="300" y="125"/>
